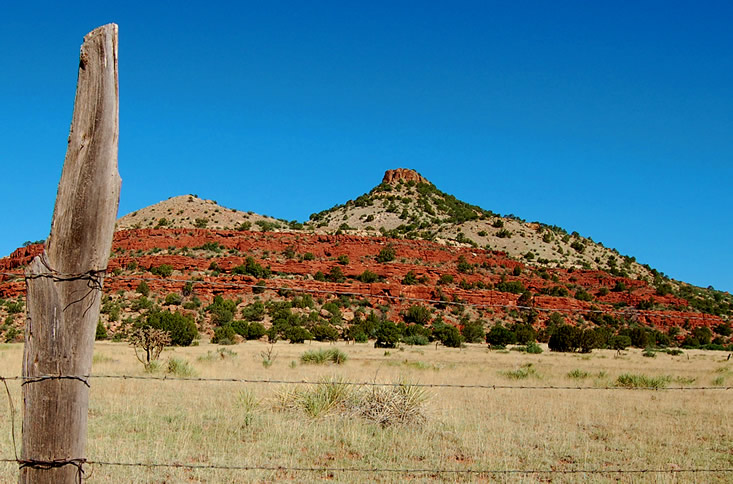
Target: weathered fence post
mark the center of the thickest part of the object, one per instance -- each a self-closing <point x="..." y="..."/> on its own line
<point x="64" y="283"/>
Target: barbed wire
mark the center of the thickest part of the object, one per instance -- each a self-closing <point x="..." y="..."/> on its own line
<point x="84" y="379"/>
<point x="628" y="311"/>
<point x="376" y="470"/>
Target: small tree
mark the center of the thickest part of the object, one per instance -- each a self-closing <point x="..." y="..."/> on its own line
<point x="143" y="288"/>
<point x="387" y="254"/>
<point x="500" y="336"/>
<point x="101" y="331"/>
<point x="388" y="335"/>
<point x="148" y="343"/>
<point x="473" y="331"/>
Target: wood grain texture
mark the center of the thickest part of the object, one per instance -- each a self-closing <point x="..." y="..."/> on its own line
<point x="64" y="292"/>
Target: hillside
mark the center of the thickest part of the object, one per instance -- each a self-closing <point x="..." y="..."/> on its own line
<point x="190" y="211"/>
<point x="407" y="205"/>
<point x="405" y="252"/>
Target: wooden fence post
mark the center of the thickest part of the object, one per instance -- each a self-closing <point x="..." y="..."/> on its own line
<point x="64" y="284"/>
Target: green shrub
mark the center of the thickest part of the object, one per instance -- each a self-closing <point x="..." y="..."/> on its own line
<point x="181" y="328"/>
<point x="387" y="254"/>
<point x="649" y="353"/>
<point x="343" y="259"/>
<point x="224" y="335"/>
<point x="253" y="268"/>
<point x="525" y="371"/>
<point x="448" y="335"/>
<point x="297" y="334"/>
<point x="417" y="314"/>
<point x="143" y="288"/>
<point x="324" y="332"/>
<point x="163" y="270"/>
<point x="320" y="357"/>
<point x="563" y="339"/>
<point x="368" y="277"/>
<point x="619" y="342"/>
<point x="628" y="380"/>
<point x="416" y="340"/>
<point x="255" y="331"/>
<point x="101" y="331"/>
<point x="173" y="299"/>
<point x="578" y="374"/>
<point x="254" y="311"/>
<point x="410" y="279"/>
<point x="533" y="349"/>
<point x="387" y="334"/>
<point x="498" y="335"/>
<point x="473" y="331"/>
<point x="180" y="368"/>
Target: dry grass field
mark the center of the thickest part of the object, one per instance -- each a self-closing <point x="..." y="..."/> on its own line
<point x="260" y="424"/>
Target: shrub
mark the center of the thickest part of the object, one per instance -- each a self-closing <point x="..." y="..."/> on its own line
<point x="448" y="335"/>
<point x="525" y="371"/>
<point x="418" y="315"/>
<point x="463" y="265"/>
<point x="445" y="279"/>
<point x="343" y="259"/>
<point x="578" y="374"/>
<point x="148" y="343"/>
<point x="387" y="334"/>
<point x="101" y="331"/>
<point x="181" y="328"/>
<point x="387" y="254"/>
<point x="628" y="380"/>
<point x="253" y="268"/>
<point x="309" y="256"/>
<point x="254" y="311"/>
<point x="255" y="331"/>
<point x="368" y="277"/>
<point x="525" y="334"/>
<point x="173" y="299"/>
<point x="533" y="348"/>
<point x="224" y="335"/>
<point x="260" y="287"/>
<point x="410" y="279"/>
<point x="473" y="331"/>
<point x="500" y="336"/>
<point x="222" y="310"/>
<point x="416" y="340"/>
<point x="297" y="334"/>
<point x="163" y="270"/>
<point x="240" y="327"/>
<point x="619" y="342"/>
<point x="515" y="287"/>
<point x="336" y="275"/>
<point x="564" y="339"/>
<point x="325" y="332"/>
<point x="649" y="352"/>
<point x="180" y="368"/>
<point x="320" y="357"/>
<point x="143" y="288"/>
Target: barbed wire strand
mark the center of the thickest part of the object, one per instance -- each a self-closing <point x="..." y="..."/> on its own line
<point x="374" y="470"/>
<point x="84" y="379"/>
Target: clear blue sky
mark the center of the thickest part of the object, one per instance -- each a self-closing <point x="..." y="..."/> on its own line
<point x="614" y="119"/>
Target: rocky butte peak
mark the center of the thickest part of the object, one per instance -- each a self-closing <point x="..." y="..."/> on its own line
<point x="392" y="177"/>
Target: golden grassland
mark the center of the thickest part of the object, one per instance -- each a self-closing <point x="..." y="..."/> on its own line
<point x="241" y="424"/>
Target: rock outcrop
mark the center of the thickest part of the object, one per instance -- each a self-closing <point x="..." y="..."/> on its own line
<point x="392" y="177"/>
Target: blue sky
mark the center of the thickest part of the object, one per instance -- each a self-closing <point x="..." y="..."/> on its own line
<point x="613" y="119"/>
